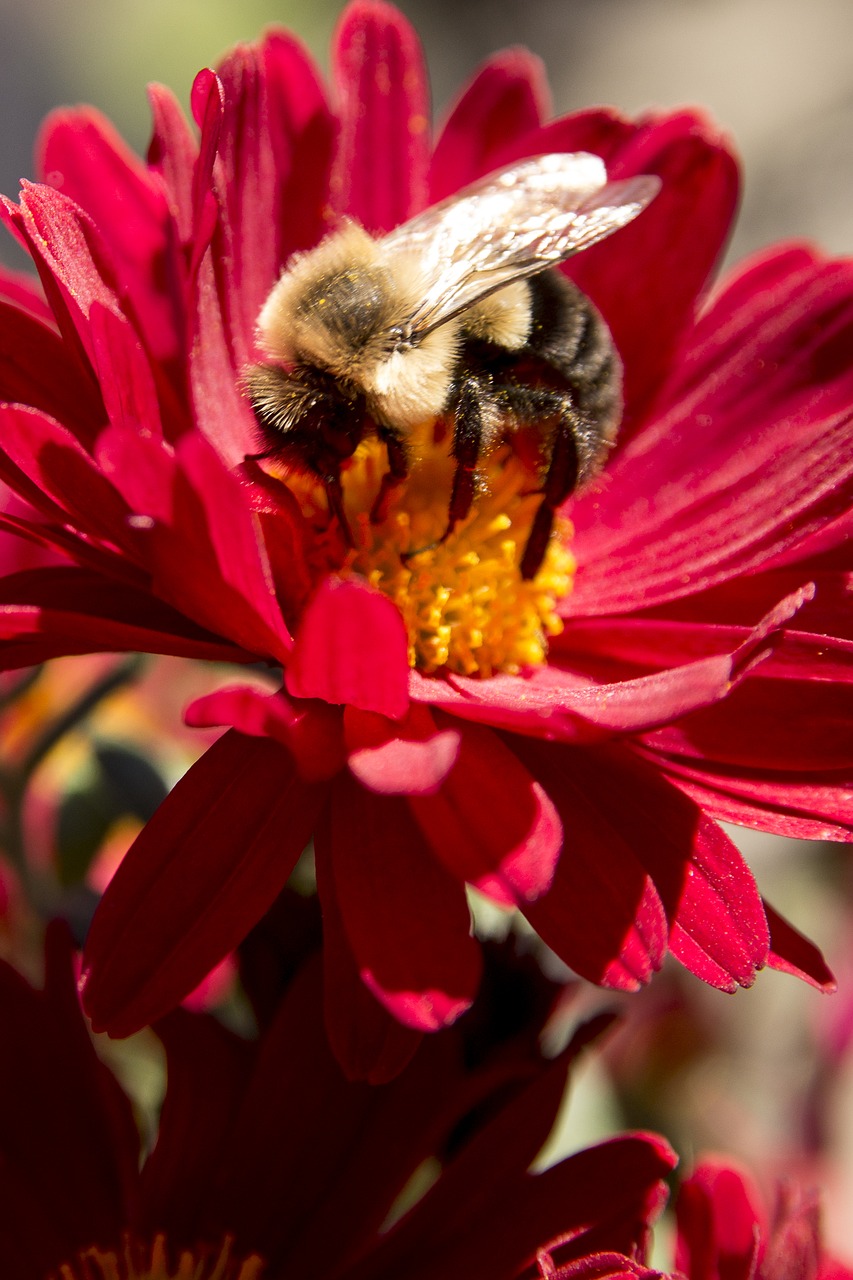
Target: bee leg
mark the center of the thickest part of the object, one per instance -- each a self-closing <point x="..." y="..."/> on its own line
<point x="335" y="499"/>
<point x="467" y="443"/>
<point x="398" y="470"/>
<point x="560" y="481"/>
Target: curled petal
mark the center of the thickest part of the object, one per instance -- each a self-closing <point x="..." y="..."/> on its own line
<point x="412" y="758"/>
<point x="351" y="648"/>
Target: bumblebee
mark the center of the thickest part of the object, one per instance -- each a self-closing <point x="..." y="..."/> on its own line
<point x="458" y="315"/>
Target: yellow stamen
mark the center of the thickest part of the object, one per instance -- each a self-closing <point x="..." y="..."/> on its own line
<point x="141" y="1262"/>
<point x="465" y="605"/>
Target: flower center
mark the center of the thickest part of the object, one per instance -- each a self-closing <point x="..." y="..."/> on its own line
<point x="138" y="1261"/>
<point x="466" y="607"/>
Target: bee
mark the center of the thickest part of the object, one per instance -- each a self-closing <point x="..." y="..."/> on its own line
<point x="458" y="315"/>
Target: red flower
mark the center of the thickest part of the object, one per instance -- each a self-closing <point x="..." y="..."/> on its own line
<point x="703" y="667"/>
<point x="725" y="1232"/>
<point x="268" y="1162"/>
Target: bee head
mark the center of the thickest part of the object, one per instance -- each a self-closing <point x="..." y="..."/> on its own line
<point x="343" y="308"/>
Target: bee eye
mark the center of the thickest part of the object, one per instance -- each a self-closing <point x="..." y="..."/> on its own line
<point x="402" y="338"/>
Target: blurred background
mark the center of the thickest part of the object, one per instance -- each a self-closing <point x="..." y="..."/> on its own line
<point x="777" y="74"/>
<point x="766" y="1075"/>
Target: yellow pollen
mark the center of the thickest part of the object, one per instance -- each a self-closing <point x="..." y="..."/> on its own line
<point x="465" y="605"/>
<point x="141" y="1262"/>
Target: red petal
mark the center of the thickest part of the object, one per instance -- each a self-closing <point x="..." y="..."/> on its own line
<point x="209" y="560"/>
<point x="406" y="918"/>
<point x="815" y="806"/>
<point x="507" y="98"/>
<point x="752" y="455"/>
<point x="37" y="368"/>
<point x="602" y="915"/>
<point x="82" y="156"/>
<point x="791" y="952"/>
<point x="412" y="758"/>
<point x="720" y="1222"/>
<point x="311" y="730"/>
<point x="172" y="153"/>
<point x="202" y="872"/>
<point x="351" y="648"/>
<point x="491" y="823"/>
<point x="551" y="703"/>
<point x="380" y="172"/>
<point x="50" y="612"/>
<point x="23" y="290"/>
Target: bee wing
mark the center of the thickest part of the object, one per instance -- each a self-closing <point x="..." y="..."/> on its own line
<point x="510" y="225"/>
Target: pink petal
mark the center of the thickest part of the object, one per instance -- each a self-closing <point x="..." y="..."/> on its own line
<point x="751" y="457"/>
<point x="172" y="153"/>
<point x="791" y="952"/>
<point x="491" y="823"/>
<point x="507" y="98"/>
<point x="311" y="731"/>
<point x="380" y="172"/>
<point x="406" y="919"/>
<point x="552" y="703"/>
<point x="412" y="758"/>
<point x="351" y="648"/>
<point x="202" y="872"/>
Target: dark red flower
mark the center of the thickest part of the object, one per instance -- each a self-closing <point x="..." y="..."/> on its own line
<point x="703" y="667"/>
<point x="268" y="1163"/>
<point x="726" y="1233"/>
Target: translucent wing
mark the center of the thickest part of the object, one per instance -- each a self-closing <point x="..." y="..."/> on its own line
<point x="513" y="224"/>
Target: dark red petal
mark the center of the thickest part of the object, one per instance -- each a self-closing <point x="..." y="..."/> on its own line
<point x="491" y="823"/>
<point x="37" y="368"/>
<point x="202" y="872"/>
<point x="405" y="917"/>
<point x="42" y="459"/>
<point x="380" y="171"/>
<point x="46" y="613"/>
<point x="813" y="806"/>
<point x="411" y="758"/>
<point x="82" y="156"/>
<point x="23" y="290"/>
<point x="311" y="731"/>
<point x="718" y="928"/>
<point x="602" y="915"/>
<point x="793" y="726"/>
<point x="791" y="952"/>
<point x="351" y="648"/>
<point x="507" y="98"/>
<point x="124" y="374"/>
<point x="367" y="1040"/>
<point x="751" y="455"/>
<point x="209" y="560"/>
<point x="720" y="1222"/>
